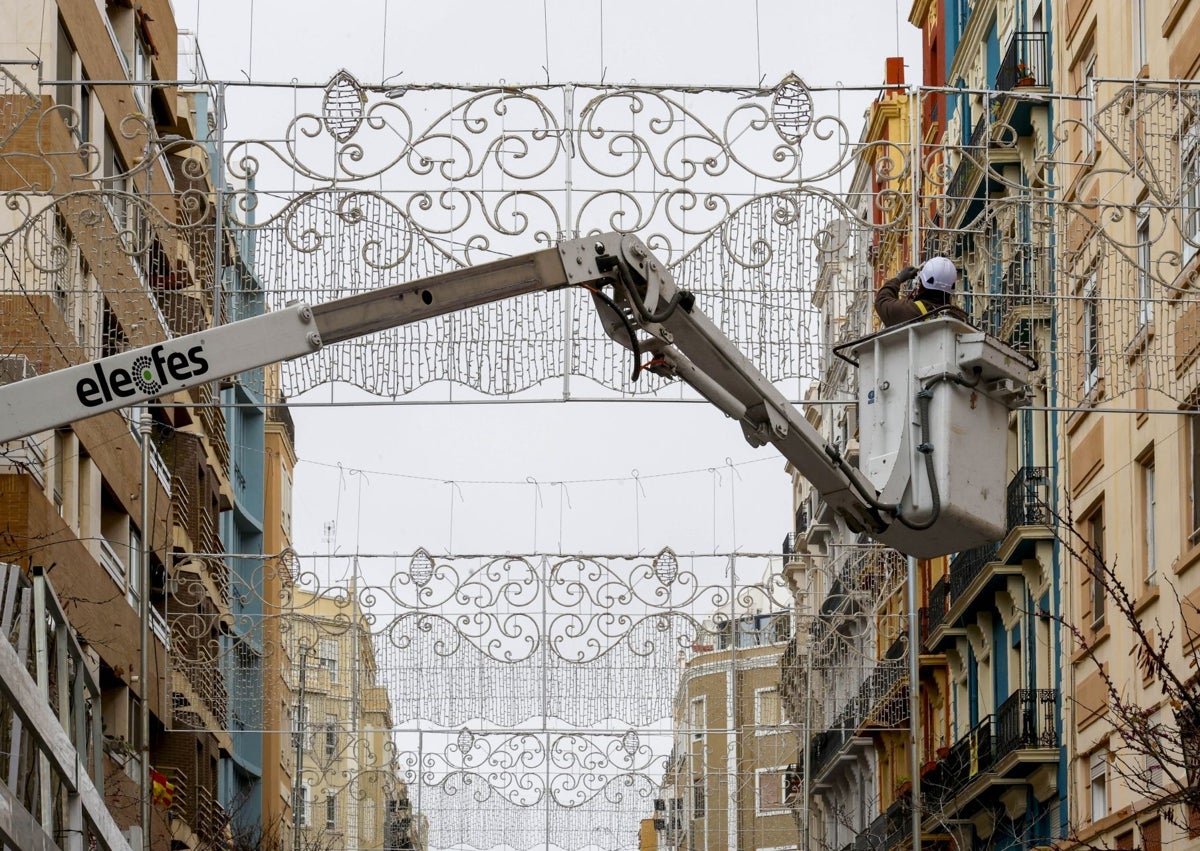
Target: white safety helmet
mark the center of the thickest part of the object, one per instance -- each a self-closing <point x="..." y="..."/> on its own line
<point x="938" y="273"/>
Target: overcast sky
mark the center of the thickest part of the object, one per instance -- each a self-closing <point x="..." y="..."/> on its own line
<point x="506" y="459"/>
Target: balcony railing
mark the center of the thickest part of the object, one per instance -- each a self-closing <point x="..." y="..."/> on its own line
<point x="881" y="697"/>
<point x="866" y="568"/>
<point x="899" y="820"/>
<point x="1026" y="62"/>
<point x="826" y="744"/>
<point x="1029" y="498"/>
<point x="1027" y="720"/>
<point x="968" y="565"/>
<point x="970" y="756"/>
<point x="112" y="562"/>
<point x="939" y="603"/>
<point x="874" y="837"/>
<point x="969" y="162"/>
<point x="158" y="623"/>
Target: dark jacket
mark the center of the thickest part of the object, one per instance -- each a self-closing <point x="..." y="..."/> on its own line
<point x="892" y="310"/>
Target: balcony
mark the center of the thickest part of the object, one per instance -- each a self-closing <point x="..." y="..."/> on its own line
<point x="864" y="576"/>
<point x="967" y="567"/>
<point x="1018" y="746"/>
<point x="112" y="562"/>
<point x="939" y="603"/>
<point x="1026" y="63"/>
<point x="1027" y="720"/>
<point x="158" y="624"/>
<point x="884" y="696"/>
<point x="1029" y="499"/>
<point x="874" y="837"/>
<point x="971" y="756"/>
<point x="898" y="819"/>
<point x="962" y="184"/>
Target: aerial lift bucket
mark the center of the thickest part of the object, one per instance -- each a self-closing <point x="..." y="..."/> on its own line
<point x="933" y="401"/>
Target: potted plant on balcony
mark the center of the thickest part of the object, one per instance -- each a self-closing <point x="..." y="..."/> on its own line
<point x="1025" y="75"/>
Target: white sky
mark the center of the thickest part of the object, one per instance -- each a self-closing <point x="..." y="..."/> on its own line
<point x="469" y="41"/>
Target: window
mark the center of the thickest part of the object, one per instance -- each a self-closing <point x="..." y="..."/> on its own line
<point x="1088" y="93"/>
<point x="327" y="657"/>
<point x="299" y="725"/>
<point x="116" y="180"/>
<point x="285" y="501"/>
<point x="61" y="442"/>
<point x="1153" y="766"/>
<point x="1094" y="529"/>
<point x="1152" y="835"/>
<point x="330" y="810"/>
<point x="771" y="792"/>
<point x="141" y="72"/>
<point x="1098" y="784"/>
<point x="698" y="803"/>
<point x="1091" y="335"/>
<point x="331" y="735"/>
<point x="1145" y="285"/>
<point x="64" y="65"/>
<point x="697" y="719"/>
<point x="300" y="806"/>
<point x="767" y="714"/>
<point x="67" y="66"/>
<point x="1149" y="520"/>
<point x="1138" y="8"/>
<point x="135" y="568"/>
<point x="1190" y="186"/>
<point x="1194" y="439"/>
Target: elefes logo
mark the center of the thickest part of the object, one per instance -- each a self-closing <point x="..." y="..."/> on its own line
<point x="148" y="375"/>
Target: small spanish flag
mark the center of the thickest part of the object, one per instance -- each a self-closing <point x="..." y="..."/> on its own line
<point x="162" y="789"/>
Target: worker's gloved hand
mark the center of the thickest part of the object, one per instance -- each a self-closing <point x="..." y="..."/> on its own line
<point x="907" y="273"/>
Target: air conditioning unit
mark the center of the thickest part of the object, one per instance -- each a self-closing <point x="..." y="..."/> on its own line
<point x="15" y="368"/>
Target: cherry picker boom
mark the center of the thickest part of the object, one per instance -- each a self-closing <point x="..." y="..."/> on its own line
<point x="946" y="370"/>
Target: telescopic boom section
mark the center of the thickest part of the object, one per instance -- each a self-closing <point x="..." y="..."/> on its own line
<point x="645" y="312"/>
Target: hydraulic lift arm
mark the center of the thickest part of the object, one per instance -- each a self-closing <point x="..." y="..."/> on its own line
<point x="645" y="312"/>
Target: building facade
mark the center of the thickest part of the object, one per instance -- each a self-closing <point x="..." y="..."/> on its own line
<point x="1129" y="449"/>
<point x="730" y="779"/>
<point x="278" y="571"/>
<point x="346" y="788"/>
<point x="104" y="256"/>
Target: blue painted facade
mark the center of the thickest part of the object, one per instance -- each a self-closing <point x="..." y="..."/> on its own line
<point x="240" y="772"/>
<point x="998" y="627"/>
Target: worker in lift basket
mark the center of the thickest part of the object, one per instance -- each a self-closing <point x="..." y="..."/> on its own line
<point x="934" y="284"/>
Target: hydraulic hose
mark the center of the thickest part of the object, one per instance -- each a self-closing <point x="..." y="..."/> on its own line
<point x="634" y="345"/>
<point x="924" y="401"/>
<point x="635" y="297"/>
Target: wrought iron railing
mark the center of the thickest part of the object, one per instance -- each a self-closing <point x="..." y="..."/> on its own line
<point x="1029" y="498"/>
<point x="825" y="745"/>
<point x="966" y="566"/>
<point x="1026" y="62"/>
<point x="1027" y="720"/>
<point x="873" y="838"/>
<point x="899" y="820"/>
<point x="969" y="164"/>
<point x="970" y="756"/>
<point x="881" y="696"/>
<point x="939" y="603"/>
<point x="934" y="789"/>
